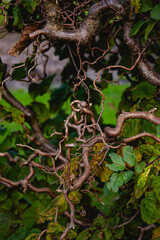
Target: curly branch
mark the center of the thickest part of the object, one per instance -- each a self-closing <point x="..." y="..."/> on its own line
<point x="135" y="48"/>
<point x="88" y="28"/>
<point x="39" y="139"/>
<point x="150" y="116"/>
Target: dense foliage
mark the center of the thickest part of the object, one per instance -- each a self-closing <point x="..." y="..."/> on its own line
<point x="65" y="174"/>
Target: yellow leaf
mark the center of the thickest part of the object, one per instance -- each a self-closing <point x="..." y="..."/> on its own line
<point x="75" y="197"/>
<point x="140" y="187"/>
<point x="156" y="233"/>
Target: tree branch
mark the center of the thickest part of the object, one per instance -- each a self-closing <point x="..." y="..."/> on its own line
<point x="150" y="116"/>
<point x="143" y="66"/>
<point x="88" y="28"/>
<point x="39" y="139"/>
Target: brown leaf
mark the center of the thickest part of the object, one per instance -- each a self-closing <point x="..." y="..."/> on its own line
<point x="24" y="41"/>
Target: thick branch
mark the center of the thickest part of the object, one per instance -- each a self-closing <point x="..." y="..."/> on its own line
<point x="39" y="139"/>
<point x="143" y="66"/>
<point x="88" y="28"/>
<point x="150" y="116"/>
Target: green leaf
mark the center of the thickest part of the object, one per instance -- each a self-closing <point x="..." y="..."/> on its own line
<point x="41" y="88"/>
<point x="99" y="221"/>
<point x="18" y="116"/>
<point x="137" y="27"/>
<point x="158" y="130"/>
<point x="118" y="163"/>
<point x="155" y="13"/>
<point x="150" y="208"/>
<point x="156" y="186"/>
<point x="2" y="130"/>
<point x="18" y="21"/>
<point x="31" y="236"/>
<point x="30" y="5"/>
<point x="3" y="196"/>
<point x="149" y="28"/>
<point x="139" y="189"/>
<point x="126" y="176"/>
<point x="1" y="70"/>
<point x="5" y="221"/>
<point x="144" y="90"/>
<point x="108" y="234"/>
<point x="84" y="235"/>
<point x="19" y="72"/>
<point x="129" y="156"/>
<point x="117" y="180"/>
<point x="58" y="96"/>
<point x="7" y="205"/>
<point x="5" y="144"/>
<point x="146" y="5"/>
<point x="97" y="235"/>
<point x="41" y="111"/>
<point x="140" y="167"/>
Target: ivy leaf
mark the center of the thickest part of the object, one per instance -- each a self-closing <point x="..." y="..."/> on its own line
<point x="136" y="28"/>
<point x="150" y="209"/>
<point x="118" y="163"/>
<point x="146" y="5"/>
<point x="158" y="130"/>
<point x="155" y="13"/>
<point x="129" y="156"/>
<point x="149" y="28"/>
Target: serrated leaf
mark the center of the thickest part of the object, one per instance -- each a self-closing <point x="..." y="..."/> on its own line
<point x="136" y="28"/>
<point x="146" y="5"/>
<point x="156" y="186"/>
<point x="58" y="96"/>
<point x="75" y="197"/>
<point x="140" y="167"/>
<point x="18" y="21"/>
<point x="155" y="13"/>
<point x="156" y="234"/>
<point x="108" y="234"/>
<point x="1" y="70"/>
<point x="19" y="72"/>
<point x="144" y="90"/>
<point x="139" y="190"/>
<point x="30" y="5"/>
<point x="31" y="236"/>
<point x="115" y="182"/>
<point x="18" y="116"/>
<point x="150" y="209"/>
<point x="99" y="221"/>
<point x="84" y="235"/>
<point x="118" y="163"/>
<point x="149" y="28"/>
<point x="158" y="130"/>
<point x="41" y="88"/>
<point x="126" y="176"/>
<point x="129" y="156"/>
<point x="97" y="235"/>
